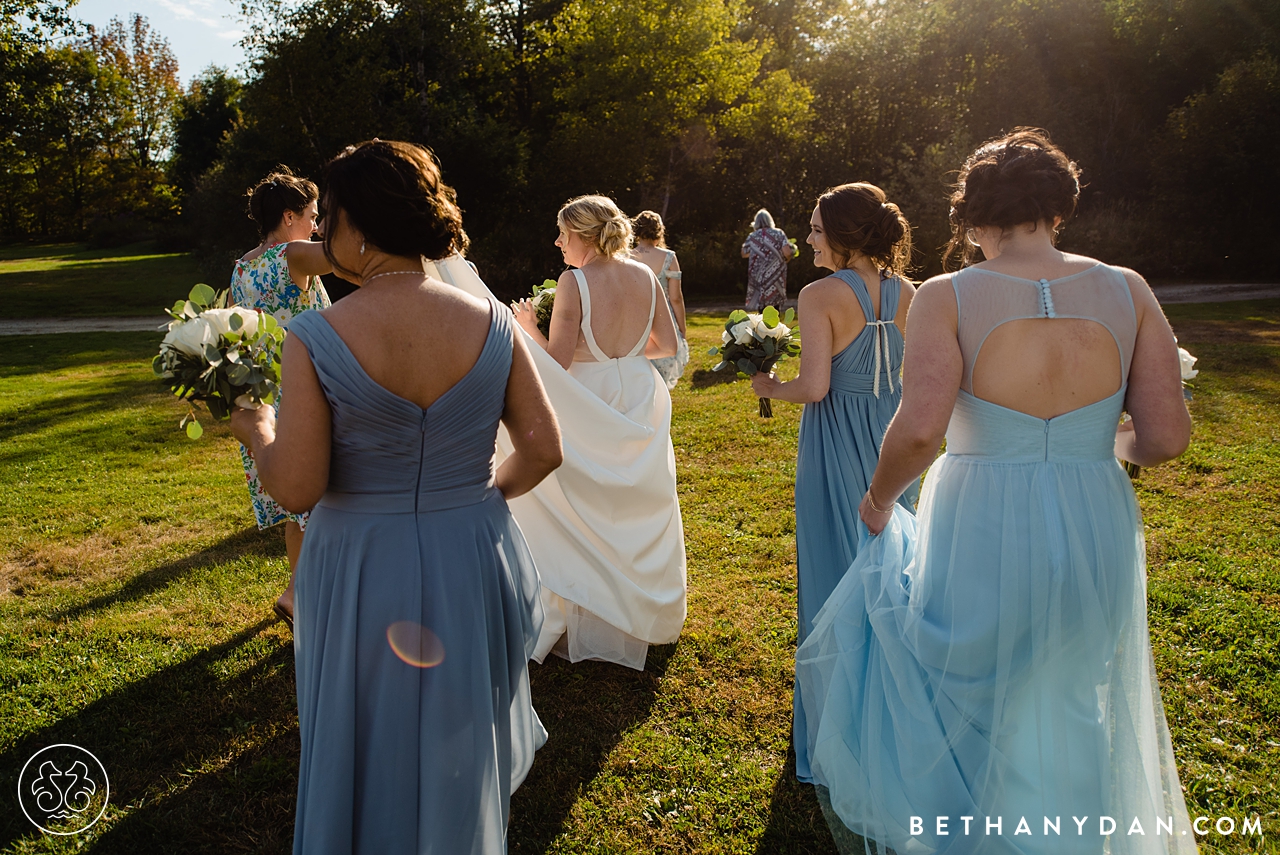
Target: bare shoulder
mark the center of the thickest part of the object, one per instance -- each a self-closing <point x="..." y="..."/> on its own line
<point x="254" y="253"/>
<point x="675" y="262"/>
<point x="1144" y="299"/>
<point x="935" y="295"/>
<point x="455" y="299"/>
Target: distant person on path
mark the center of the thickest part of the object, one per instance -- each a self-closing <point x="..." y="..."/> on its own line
<point x="849" y="383"/>
<point x="417" y="597"/>
<point x="767" y="251"/>
<point x="651" y="250"/>
<point x="991" y="656"/>
<point x="281" y="276"/>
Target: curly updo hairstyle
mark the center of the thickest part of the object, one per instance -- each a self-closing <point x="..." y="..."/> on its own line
<point x="392" y="194"/>
<point x="648" y="225"/>
<point x="1019" y="178"/>
<point x="859" y="218"/>
<point x="597" y="220"/>
<point x="280" y="191"/>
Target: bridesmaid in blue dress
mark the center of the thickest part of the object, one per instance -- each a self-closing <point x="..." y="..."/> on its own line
<point x="981" y="680"/>
<point x="417" y="605"/>
<point x="849" y="384"/>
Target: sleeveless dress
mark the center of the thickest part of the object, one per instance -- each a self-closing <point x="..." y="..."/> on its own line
<point x="605" y="527"/>
<point x="264" y="284"/>
<point x="838" y="449"/>
<point x="415" y="613"/>
<point x="990" y="659"/>
<point x="766" y="269"/>
<point x="671" y="368"/>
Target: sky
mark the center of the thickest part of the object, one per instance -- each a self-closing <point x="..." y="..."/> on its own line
<point x="200" y="32"/>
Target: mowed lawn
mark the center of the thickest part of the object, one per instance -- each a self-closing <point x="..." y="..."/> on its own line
<point x="135" y="619"/>
<point x="71" y="280"/>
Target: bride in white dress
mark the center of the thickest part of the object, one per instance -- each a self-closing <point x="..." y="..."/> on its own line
<point x="605" y="528"/>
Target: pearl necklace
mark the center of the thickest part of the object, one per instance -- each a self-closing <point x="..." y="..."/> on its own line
<point x="393" y="273"/>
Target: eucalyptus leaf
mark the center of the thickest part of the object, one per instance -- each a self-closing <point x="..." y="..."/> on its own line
<point x="194" y="430"/>
<point x="746" y="366"/>
<point x="202" y="295"/>
<point x="790" y="317"/>
<point x="769" y="316"/>
<point x="235" y="322"/>
<point x="737" y="316"/>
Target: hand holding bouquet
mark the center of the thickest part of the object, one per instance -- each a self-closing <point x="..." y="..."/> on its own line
<point x="753" y="343"/>
<point x="543" y="300"/>
<point x="1186" y="364"/>
<point x="223" y="356"/>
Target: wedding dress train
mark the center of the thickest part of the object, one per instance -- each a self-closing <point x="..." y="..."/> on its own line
<point x="605" y="528"/>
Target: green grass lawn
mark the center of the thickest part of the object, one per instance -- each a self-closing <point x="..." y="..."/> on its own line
<point x="70" y="280"/>
<point x="135" y="599"/>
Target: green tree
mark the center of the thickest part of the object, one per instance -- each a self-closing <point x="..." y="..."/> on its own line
<point x="203" y="117"/>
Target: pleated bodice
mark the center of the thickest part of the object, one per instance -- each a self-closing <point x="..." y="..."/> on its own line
<point x="981" y="429"/>
<point x="392" y="456"/>
<point x="877" y="350"/>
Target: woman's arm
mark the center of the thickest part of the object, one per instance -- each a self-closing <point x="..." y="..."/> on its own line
<point x="566" y="318"/>
<point x="532" y="426"/>
<point x="292" y="455"/>
<point x="788" y="249"/>
<point x="306" y="259"/>
<point x="814" y="380"/>
<point x="675" y="291"/>
<point x="1161" y="426"/>
<point x="662" y="337"/>
<point x="931" y="371"/>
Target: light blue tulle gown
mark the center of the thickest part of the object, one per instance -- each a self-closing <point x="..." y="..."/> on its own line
<point x="839" y="446"/>
<point x="415" y="613"/>
<point x="990" y="658"/>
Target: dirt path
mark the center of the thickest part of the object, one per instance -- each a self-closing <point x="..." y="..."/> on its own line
<point x="44" y="326"/>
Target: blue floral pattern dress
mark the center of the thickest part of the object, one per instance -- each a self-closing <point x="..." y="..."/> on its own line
<point x="263" y="283"/>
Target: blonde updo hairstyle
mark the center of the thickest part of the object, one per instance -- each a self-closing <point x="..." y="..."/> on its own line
<point x="597" y="220"/>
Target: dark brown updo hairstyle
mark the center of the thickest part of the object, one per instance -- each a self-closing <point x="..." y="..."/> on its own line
<point x="393" y="195"/>
<point x="280" y="191"/>
<point x="1019" y="178"/>
<point x="647" y="225"/>
<point x="859" y="218"/>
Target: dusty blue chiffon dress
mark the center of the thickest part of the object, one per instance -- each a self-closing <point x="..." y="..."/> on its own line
<point x="981" y="680"/>
<point x="839" y="447"/>
<point x="415" y="614"/>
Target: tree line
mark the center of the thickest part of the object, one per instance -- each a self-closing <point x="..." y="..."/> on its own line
<point x="703" y="110"/>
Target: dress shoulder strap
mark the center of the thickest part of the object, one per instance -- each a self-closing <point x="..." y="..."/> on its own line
<point x="859" y="288"/>
<point x="584" y="295"/>
<point x="653" y="305"/>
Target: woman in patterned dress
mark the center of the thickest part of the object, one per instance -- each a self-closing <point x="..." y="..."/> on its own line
<point x="768" y="251"/>
<point x="281" y="276"/>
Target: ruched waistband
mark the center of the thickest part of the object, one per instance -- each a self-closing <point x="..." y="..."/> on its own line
<point x="981" y="429"/>
<point x="407" y="502"/>
<point x="849" y="383"/>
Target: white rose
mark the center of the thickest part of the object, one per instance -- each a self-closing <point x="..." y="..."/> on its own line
<point x="220" y="321"/>
<point x="777" y="332"/>
<point x="1186" y="362"/>
<point x="725" y="338"/>
<point x="549" y="293"/>
<point x="190" y="336"/>
<point x="741" y="332"/>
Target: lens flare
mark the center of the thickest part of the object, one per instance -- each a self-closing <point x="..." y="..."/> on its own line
<point x="415" y="644"/>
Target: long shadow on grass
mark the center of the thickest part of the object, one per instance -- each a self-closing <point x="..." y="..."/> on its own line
<point x="249" y="541"/>
<point x="796" y="825"/>
<point x="45" y="414"/>
<point x="154" y="737"/>
<point x="586" y="707"/>
<point x="37" y="354"/>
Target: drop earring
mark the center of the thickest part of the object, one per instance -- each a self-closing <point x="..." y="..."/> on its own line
<point x="362" y="247"/>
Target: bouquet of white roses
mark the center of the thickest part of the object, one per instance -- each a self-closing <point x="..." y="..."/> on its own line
<point x="544" y="300"/>
<point x="754" y="342"/>
<point x="1186" y="364"/>
<point x="223" y="356"/>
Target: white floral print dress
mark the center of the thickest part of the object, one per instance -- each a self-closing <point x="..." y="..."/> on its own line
<point x="264" y="283"/>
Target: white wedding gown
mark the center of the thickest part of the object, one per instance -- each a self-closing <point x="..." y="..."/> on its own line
<point x="604" y="528"/>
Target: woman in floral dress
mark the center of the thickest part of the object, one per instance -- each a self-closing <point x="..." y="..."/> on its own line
<point x="768" y="251"/>
<point x="281" y="276"/>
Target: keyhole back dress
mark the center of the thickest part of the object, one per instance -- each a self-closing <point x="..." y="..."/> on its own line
<point x="416" y="612"/>
<point x="990" y="659"/>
